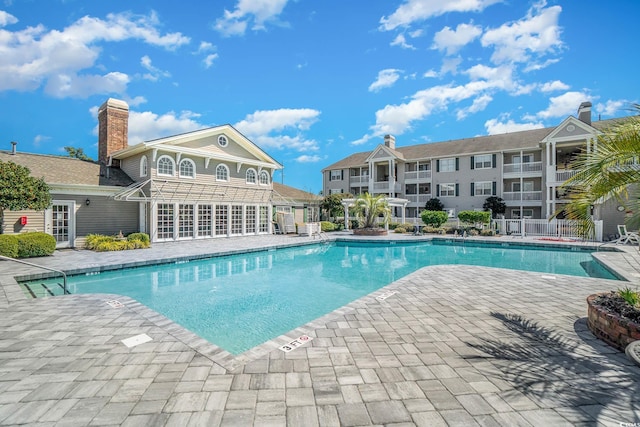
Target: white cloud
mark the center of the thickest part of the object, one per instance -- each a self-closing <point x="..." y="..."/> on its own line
<point x="612" y="108"/>
<point x="235" y="22"/>
<point x="453" y="40"/>
<point x="308" y="159"/>
<point x="564" y="105"/>
<point x="401" y="41"/>
<point x="450" y="65"/>
<point x="419" y="10"/>
<point x="479" y="104"/>
<point x="146" y="125"/>
<point x="430" y="74"/>
<point x="39" y="139"/>
<point x="536" y="35"/>
<point x="205" y="47"/>
<point x="154" y="73"/>
<point x="208" y="60"/>
<point x="7" y="19"/>
<point x="553" y="86"/>
<point x="35" y="56"/>
<point x="495" y="127"/>
<point x="280" y="129"/>
<point x="386" y="78"/>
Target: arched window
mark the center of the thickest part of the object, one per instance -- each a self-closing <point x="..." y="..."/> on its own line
<point x="223" y="141"/>
<point x="222" y="173"/>
<point x="252" y="177"/>
<point x="143" y="166"/>
<point x="264" y="178"/>
<point x="166" y="166"/>
<point x="187" y="168"/>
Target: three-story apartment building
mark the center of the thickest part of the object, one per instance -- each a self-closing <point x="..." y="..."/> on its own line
<point x="526" y="169"/>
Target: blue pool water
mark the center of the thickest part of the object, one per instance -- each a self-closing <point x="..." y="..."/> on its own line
<point x="240" y="301"/>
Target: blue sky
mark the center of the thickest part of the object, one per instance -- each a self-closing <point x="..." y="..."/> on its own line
<point x="311" y="81"/>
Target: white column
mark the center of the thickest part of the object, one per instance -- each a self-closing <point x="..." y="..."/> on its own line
<point x="346" y="215"/>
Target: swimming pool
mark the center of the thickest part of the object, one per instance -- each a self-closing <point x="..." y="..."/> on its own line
<point x="240" y="301"/>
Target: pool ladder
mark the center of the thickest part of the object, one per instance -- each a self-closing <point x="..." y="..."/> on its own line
<point x="64" y="276"/>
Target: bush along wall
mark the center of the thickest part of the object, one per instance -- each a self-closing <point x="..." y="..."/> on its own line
<point x="27" y="245"/>
<point x="101" y="243"/>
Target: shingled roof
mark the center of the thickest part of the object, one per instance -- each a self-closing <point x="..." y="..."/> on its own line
<point x="67" y="170"/>
<point x="528" y="139"/>
<point x="287" y="193"/>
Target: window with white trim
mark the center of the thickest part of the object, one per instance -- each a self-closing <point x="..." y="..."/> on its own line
<point x="526" y="186"/>
<point x="336" y="191"/>
<point x="144" y="166"/>
<point x="336" y="175"/>
<point x="223" y="141"/>
<point x="448" y="165"/>
<point x="166" y="166"/>
<point x="484" y="188"/>
<point x="264" y="219"/>
<point x="185" y="220"/>
<point x="447" y="190"/>
<point x="164" y="221"/>
<point x="251" y="176"/>
<point x="483" y="161"/>
<point x="187" y="168"/>
<point x="264" y="178"/>
<point x="222" y="173"/>
<point x="204" y="220"/>
<point x="222" y="218"/>
<point x="250" y="218"/>
<point x="526" y="158"/>
<point x="236" y="219"/>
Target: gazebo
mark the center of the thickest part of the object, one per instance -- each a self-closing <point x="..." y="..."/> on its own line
<point x="393" y="202"/>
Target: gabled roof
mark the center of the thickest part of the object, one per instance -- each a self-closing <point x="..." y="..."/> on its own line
<point x="67" y="170"/>
<point x="287" y="193"/>
<point x="175" y="143"/>
<point x="390" y="152"/>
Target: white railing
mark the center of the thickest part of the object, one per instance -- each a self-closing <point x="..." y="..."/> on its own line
<point x="417" y="198"/>
<point x="555" y="228"/>
<point x="528" y="167"/>
<point x="522" y="195"/>
<point x="417" y="175"/>
<point x="565" y="175"/>
<point x="364" y="179"/>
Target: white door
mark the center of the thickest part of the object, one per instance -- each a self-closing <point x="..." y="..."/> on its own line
<point x="60" y="222"/>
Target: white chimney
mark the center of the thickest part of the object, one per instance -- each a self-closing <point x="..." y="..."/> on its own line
<point x="390" y="141"/>
<point x="13" y="147"/>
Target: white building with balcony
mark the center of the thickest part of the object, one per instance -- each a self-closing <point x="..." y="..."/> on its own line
<point x="526" y="169"/>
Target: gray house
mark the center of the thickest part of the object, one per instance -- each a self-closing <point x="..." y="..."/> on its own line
<point x="526" y="169"/>
<point x="205" y="184"/>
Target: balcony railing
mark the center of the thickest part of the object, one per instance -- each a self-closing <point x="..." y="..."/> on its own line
<point x="563" y="175"/>
<point x="529" y="167"/>
<point x="417" y="175"/>
<point x="360" y="179"/>
<point x="421" y="199"/>
<point x="522" y="195"/>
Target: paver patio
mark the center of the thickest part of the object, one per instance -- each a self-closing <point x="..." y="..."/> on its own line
<point x="456" y="345"/>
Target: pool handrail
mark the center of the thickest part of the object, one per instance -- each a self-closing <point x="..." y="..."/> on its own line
<point x="64" y="276"/>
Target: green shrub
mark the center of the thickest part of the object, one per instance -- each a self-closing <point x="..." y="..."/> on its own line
<point x="630" y="296"/>
<point x="430" y="229"/>
<point x="101" y="243"/>
<point x="93" y="240"/>
<point x="474" y="217"/>
<point x="399" y="230"/>
<point x="115" y="245"/>
<point x="327" y="226"/>
<point x="410" y="228"/>
<point x="140" y="237"/>
<point x="8" y="245"/>
<point x="487" y="232"/>
<point x="434" y="218"/>
<point x="35" y="244"/>
<point x="394" y="225"/>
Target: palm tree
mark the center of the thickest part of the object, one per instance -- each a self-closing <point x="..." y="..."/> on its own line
<point x="368" y="208"/>
<point x="610" y="170"/>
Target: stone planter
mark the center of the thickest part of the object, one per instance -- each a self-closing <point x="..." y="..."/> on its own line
<point x="370" y="232"/>
<point x="616" y="331"/>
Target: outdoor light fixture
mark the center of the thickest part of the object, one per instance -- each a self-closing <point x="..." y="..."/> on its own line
<point x="87" y="202"/>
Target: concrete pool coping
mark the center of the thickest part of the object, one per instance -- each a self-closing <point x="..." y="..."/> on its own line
<point x="341" y="333"/>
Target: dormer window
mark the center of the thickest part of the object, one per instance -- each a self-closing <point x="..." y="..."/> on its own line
<point x="222" y="173"/>
<point x="223" y="141"/>
<point x="252" y="177"/>
<point x="187" y="169"/>
<point x="166" y="166"/>
<point x="264" y="178"/>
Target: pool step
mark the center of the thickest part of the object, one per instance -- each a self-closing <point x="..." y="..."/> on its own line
<point x="42" y="290"/>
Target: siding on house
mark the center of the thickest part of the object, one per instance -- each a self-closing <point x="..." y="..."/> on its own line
<point x="105" y="216"/>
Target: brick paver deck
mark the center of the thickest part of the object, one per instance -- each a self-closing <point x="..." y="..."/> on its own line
<point x="455" y="345"/>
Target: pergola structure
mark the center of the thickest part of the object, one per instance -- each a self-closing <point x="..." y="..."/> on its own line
<point x="393" y="202"/>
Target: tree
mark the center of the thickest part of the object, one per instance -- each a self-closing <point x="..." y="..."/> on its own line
<point x="19" y="190"/>
<point x="434" y="218"/>
<point x="368" y="208"/>
<point x="77" y="153"/>
<point x="611" y="170"/>
<point x="332" y="204"/>
<point x="496" y="205"/>
<point x="434" y="204"/>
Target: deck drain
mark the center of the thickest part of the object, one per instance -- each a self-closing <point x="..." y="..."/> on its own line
<point x="115" y="303"/>
<point x="136" y="340"/>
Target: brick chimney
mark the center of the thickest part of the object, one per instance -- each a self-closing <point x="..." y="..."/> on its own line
<point x="390" y="141"/>
<point x="584" y="113"/>
<point x="113" y="128"/>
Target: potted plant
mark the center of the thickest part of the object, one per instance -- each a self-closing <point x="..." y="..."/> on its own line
<point x="614" y="317"/>
<point x="368" y="209"/>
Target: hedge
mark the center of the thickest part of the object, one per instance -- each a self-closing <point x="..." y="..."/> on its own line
<point x="9" y="245"/>
<point x="102" y="243"/>
<point x="434" y="218"/>
<point x="27" y="245"/>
